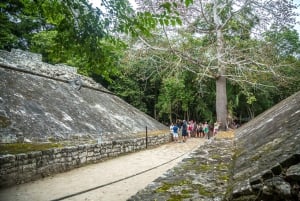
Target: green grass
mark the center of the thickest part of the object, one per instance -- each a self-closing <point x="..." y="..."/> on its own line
<point x="203" y="191"/>
<point x="17" y="148"/>
<point x="179" y="197"/>
<point x="166" y="186"/>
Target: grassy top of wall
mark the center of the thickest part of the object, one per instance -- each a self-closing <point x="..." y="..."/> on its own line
<point x="17" y="148"/>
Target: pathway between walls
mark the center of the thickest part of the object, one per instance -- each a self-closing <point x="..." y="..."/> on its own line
<point x="114" y="180"/>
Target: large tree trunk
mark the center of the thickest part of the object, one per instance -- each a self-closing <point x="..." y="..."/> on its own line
<point x="221" y="102"/>
<point x="221" y="94"/>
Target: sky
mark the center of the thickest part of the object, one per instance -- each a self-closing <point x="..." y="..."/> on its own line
<point x="297" y="27"/>
<point x="96" y="3"/>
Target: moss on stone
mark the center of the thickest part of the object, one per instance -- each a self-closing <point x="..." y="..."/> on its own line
<point x="237" y="152"/>
<point x="224" y="177"/>
<point x="216" y="156"/>
<point x="195" y="167"/>
<point x="256" y="157"/>
<point x="222" y="166"/>
<point x="192" y="161"/>
<point x="263" y="151"/>
<point x="178" y="197"/>
<point x="203" y="191"/>
<point x="189" y="164"/>
<point x="166" y="186"/>
<point x="16" y="148"/>
<point x="205" y="167"/>
<point x="4" y="122"/>
<point x="186" y="191"/>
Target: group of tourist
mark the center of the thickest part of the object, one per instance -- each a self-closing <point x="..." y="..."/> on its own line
<point x="192" y="129"/>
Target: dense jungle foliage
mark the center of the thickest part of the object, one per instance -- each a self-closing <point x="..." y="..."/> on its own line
<point x="158" y="62"/>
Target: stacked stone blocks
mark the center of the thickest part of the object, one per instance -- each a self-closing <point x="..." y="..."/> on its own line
<point x="25" y="167"/>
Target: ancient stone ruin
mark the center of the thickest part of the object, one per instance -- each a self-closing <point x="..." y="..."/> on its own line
<point x="267" y="155"/>
<point x="40" y="101"/>
<point x="262" y="163"/>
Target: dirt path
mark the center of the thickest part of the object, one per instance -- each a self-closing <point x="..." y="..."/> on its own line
<point x="90" y="183"/>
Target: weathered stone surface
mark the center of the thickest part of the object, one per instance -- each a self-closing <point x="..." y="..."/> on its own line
<point x="276" y="188"/>
<point x="39" y="101"/>
<point x="268" y="153"/>
<point x="204" y="175"/>
<point x="20" y="168"/>
<point x="293" y="173"/>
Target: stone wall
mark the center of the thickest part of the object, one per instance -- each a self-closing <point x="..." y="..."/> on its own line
<point x="32" y="63"/>
<point x="40" y="102"/>
<point x="20" y="168"/>
<point x="267" y="164"/>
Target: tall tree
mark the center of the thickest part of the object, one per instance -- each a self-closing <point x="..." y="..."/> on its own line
<point x="69" y="31"/>
<point x="231" y="31"/>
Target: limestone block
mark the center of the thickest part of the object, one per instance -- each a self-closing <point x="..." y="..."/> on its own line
<point x="8" y="158"/>
<point x="83" y="160"/>
<point x="29" y="167"/>
<point x="277" y="186"/>
<point x="293" y="172"/>
<point x="34" y="154"/>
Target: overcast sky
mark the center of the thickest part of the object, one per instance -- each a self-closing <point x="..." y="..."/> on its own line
<point x="297" y="27"/>
<point x="96" y="3"/>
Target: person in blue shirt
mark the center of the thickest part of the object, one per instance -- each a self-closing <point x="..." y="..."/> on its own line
<point x="175" y="132"/>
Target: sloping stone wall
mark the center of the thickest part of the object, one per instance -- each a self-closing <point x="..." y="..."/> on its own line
<point x="40" y="101"/>
<point x="267" y="165"/>
<point x="20" y="168"/>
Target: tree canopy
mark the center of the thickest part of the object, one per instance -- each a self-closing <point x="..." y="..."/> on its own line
<point x="224" y="41"/>
<point x="205" y="60"/>
<point x="69" y="31"/>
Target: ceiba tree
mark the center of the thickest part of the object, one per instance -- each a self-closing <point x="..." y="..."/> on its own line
<point x="234" y="48"/>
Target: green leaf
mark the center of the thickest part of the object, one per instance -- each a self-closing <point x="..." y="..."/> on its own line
<point x="166" y="21"/>
<point x="188" y="2"/>
<point x="166" y="6"/>
<point x="173" y="22"/>
<point x="161" y="21"/>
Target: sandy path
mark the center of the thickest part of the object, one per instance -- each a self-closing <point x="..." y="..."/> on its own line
<point x="93" y="176"/>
